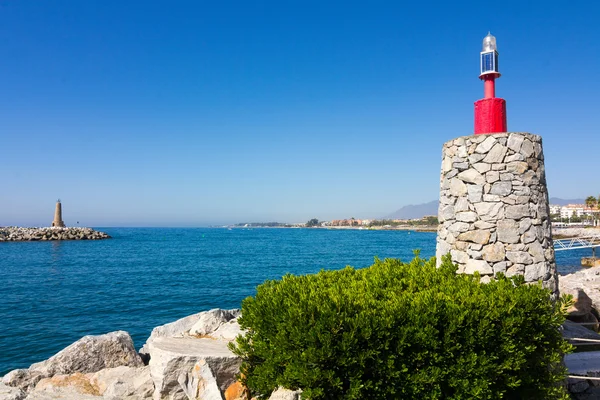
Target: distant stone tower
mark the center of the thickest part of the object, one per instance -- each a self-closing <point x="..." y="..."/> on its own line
<point x="58" y="222"/>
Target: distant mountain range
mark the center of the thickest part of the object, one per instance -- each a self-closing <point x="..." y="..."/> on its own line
<point x="414" y="211"/>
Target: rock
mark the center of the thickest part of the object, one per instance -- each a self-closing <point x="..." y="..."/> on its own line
<point x="494" y="252"/>
<point x="471" y="176"/>
<point x="572" y="330"/>
<point x="458" y="227"/>
<point x="502" y="188"/>
<point x="475" y="192"/>
<point x="534" y="272"/>
<point x="461" y="166"/>
<point x="15" y="234"/>
<point x="519" y="257"/>
<point x="462" y="204"/>
<point x="183" y="368"/>
<point x="88" y="354"/>
<point x="235" y="392"/>
<point x="447" y="164"/>
<point x="514" y="142"/>
<point x="578" y="385"/>
<point x="514" y="157"/>
<point x="589" y="320"/>
<point x="587" y="281"/>
<point x="478" y="265"/>
<point x="524" y="225"/>
<point x="517" y="269"/>
<point x="500" y="267"/>
<point x="492" y="176"/>
<point x="22" y="378"/>
<point x="74" y="383"/>
<point x="457" y="187"/>
<point x="124" y="383"/>
<point x="508" y="231"/>
<point x="65" y="393"/>
<point x="478" y="236"/>
<point x="91" y="354"/>
<point x="466" y="216"/>
<point x="482" y="168"/>
<point x="536" y="250"/>
<point x="11" y="393"/>
<point x="496" y="154"/>
<point x="458" y="256"/>
<point x="517" y="212"/>
<point x="475" y="158"/>
<point x="483" y="224"/>
<point x="517" y="167"/>
<point x="211" y="320"/>
<point x="446" y="212"/>
<point x="582" y="304"/>
<point x="182" y="327"/>
<point x="227" y="331"/>
<point x="488" y="210"/>
<point x="486" y="145"/>
<point x="190" y="358"/>
<point x="285" y="394"/>
<point x="527" y="148"/>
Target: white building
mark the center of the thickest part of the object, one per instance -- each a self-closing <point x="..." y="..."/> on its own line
<point x="573" y="210"/>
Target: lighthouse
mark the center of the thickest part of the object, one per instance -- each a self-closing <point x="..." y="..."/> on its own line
<point x="58" y="222"/>
<point x="490" y="112"/>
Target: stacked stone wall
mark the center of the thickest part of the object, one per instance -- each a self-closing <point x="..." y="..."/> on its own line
<point x="494" y="213"/>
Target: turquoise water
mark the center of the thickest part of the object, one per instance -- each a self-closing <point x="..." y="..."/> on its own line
<point x="53" y="293"/>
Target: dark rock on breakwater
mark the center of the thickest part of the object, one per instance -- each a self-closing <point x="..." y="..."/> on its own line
<point x="16" y="234"/>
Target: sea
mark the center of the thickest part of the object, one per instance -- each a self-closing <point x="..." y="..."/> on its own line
<point x="54" y="293"/>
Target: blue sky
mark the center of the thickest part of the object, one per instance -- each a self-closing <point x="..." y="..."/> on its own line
<point x="187" y="113"/>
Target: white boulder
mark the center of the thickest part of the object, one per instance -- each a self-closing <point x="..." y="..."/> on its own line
<point x="191" y="368"/>
<point x="189" y="359"/>
<point x="88" y="354"/>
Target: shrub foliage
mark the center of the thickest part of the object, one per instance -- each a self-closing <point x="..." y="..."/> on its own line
<point x="402" y="331"/>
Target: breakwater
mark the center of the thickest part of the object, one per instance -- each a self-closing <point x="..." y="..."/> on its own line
<point x="17" y="234"/>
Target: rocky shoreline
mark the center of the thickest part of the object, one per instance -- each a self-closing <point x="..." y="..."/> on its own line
<point x="183" y="360"/>
<point x="189" y="359"/>
<point x="17" y="234"/>
<point x="559" y="233"/>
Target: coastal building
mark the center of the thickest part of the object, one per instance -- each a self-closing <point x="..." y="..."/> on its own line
<point x="58" y="221"/>
<point x="573" y="210"/>
<point x="554" y="209"/>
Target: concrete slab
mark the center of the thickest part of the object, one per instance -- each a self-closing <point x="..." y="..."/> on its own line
<point x="587" y="363"/>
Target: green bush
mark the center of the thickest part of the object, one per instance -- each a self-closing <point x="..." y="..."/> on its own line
<point x="402" y="331"/>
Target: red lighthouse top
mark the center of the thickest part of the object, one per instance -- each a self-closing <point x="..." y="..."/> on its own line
<point x="490" y="112"/>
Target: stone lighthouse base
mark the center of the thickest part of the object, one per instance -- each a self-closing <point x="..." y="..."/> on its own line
<point x="494" y="213"/>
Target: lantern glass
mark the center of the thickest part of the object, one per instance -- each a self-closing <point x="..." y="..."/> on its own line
<point x="489" y="43"/>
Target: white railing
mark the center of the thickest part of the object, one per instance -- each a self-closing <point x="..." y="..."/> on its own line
<point x="583" y="242"/>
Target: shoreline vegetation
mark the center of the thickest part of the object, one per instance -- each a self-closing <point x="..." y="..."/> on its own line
<point x="421" y="225"/>
<point x="425" y="224"/>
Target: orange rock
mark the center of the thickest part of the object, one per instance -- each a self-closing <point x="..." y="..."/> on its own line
<point x="235" y="391"/>
<point x="78" y="381"/>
